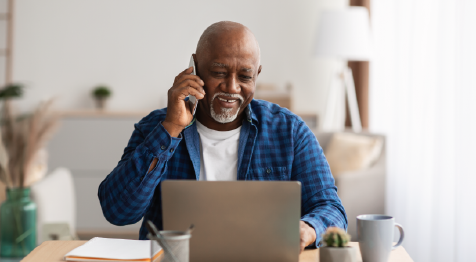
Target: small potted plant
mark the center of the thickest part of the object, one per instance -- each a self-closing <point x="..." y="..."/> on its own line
<point x="335" y="247"/>
<point x="100" y="94"/>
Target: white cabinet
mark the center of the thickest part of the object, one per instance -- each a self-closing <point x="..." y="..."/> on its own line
<point x="90" y="145"/>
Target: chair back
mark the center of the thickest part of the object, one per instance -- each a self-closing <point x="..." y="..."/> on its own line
<point x="55" y="198"/>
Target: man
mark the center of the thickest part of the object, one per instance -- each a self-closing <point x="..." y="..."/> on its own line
<point x="232" y="137"/>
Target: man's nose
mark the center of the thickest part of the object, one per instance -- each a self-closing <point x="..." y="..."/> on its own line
<point x="231" y="85"/>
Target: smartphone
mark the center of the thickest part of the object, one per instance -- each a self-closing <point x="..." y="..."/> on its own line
<point x="193" y="100"/>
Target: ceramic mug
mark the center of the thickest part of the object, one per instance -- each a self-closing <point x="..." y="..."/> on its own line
<point x="375" y="234"/>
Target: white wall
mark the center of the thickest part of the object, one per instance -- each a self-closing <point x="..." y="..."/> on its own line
<point x="64" y="48"/>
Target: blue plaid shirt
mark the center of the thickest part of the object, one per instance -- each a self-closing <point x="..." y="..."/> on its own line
<point x="274" y="144"/>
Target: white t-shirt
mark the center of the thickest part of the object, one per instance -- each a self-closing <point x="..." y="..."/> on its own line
<point x="218" y="154"/>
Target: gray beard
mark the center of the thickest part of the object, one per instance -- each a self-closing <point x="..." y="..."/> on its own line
<point x="226" y="115"/>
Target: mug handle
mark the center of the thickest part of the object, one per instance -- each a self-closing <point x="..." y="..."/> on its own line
<point x="402" y="235"/>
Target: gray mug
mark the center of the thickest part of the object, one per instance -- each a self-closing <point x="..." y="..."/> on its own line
<point x="375" y="234"/>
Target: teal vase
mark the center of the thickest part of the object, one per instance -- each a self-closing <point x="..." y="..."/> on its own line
<point x="18" y="224"/>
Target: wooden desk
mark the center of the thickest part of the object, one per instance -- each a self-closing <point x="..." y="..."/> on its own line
<point x="54" y="251"/>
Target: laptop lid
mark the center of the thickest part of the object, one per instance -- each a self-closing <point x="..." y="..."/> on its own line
<point x="235" y="220"/>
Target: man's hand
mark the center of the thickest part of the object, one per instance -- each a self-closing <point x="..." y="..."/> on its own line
<point x="308" y="234"/>
<point x="178" y="111"/>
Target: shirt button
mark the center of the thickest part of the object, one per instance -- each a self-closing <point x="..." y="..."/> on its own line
<point x="171" y="150"/>
<point x="268" y="170"/>
<point x="163" y="147"/>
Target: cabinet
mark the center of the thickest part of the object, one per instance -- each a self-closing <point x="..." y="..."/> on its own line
<point x="90" y="144"/>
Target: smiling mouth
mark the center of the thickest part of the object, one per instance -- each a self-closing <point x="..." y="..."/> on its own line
<point x="227" y="100"/>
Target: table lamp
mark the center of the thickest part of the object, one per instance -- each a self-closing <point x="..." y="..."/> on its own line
<point x="344" y="34"/>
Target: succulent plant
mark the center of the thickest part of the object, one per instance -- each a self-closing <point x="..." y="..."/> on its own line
<point x="101" y="92"/>
<point x="335" y="237"/>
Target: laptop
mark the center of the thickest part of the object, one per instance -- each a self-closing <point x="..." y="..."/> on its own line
<point x="235" y="220"/>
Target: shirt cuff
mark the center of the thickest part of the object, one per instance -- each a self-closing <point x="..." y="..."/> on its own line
<point x="317" y="228"/>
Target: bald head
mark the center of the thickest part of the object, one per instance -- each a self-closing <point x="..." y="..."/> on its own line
<point x="226" y="33"/>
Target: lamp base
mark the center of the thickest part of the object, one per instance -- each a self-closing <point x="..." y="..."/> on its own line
<point x="336" y="100"/>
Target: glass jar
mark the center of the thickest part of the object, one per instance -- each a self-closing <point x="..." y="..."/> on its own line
<point x="18" y="223"/>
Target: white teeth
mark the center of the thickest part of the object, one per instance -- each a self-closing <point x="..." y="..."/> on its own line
<point x="224" y="100"/>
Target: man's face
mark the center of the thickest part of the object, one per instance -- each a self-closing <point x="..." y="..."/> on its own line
<point x="229" y="70"/>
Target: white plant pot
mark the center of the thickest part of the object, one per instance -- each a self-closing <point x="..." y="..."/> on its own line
<point x="337" y="254"/>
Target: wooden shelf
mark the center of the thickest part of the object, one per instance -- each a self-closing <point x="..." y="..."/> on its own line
<point x="104" y="113"/>
<point x="312" y="119"/>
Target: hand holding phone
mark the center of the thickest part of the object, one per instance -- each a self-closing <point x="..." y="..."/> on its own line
<point x="179" y="111"/>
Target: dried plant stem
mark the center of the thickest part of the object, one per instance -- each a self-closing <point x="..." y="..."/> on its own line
<point x="22" y="140"/>
<point x="19" y="228"/>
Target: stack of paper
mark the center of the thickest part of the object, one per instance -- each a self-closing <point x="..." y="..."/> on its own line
<point x="109" y="249"/>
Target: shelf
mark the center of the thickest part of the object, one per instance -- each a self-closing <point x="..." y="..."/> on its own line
<point x="104" y="113"/>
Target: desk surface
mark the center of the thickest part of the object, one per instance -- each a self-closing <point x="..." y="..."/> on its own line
<point x="54" y="251"/>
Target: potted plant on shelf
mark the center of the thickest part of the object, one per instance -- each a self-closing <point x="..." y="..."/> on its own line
<point x="335" y="247"/>
<point x="101" y="94"/>
<point x="22" y="163"/>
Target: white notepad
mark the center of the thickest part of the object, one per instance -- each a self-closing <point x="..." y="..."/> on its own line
<point x="110" y="249"/>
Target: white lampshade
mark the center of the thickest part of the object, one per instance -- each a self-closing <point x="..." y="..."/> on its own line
<point x="345" y="34"/>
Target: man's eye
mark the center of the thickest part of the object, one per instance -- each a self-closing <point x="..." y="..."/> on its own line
<point x="219" y="73"/>
<point x="247" y="77"/>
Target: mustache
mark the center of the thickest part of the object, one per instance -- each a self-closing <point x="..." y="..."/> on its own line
<point x="229" y="95"/>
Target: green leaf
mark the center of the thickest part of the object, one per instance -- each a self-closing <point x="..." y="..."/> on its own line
<point x="11" y="91"/>
<point x="101" y="92"/>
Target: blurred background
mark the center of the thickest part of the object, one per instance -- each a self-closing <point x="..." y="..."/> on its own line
<point x="387" y="86"/>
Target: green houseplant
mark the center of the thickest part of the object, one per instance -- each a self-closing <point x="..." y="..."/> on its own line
<point x="22" y="163"/>
<point x="11" y="91"/>
<point x="101" y="94"/>
<point x="335" y="247"/>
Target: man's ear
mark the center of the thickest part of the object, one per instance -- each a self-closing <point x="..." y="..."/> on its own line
<point x="259" y="69"/>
